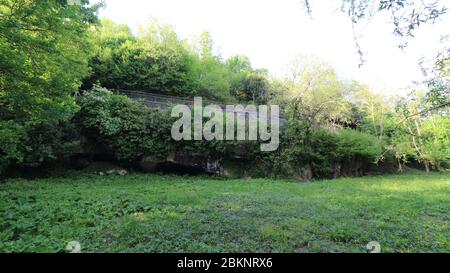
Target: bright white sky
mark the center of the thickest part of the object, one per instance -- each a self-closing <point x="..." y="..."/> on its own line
<point x="273" y="32"/>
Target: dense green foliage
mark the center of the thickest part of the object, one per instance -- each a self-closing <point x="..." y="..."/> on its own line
<point x="126" y="129"/>
<point x="147" y="213"/>
<point x="44" y="54"/>
<point x="157" y="60"/>
<point x="122" y="126"/>
<point x="43" y="58"/>
<point x="308" y="152"/>
<point x="334" y="127"/>
<point x="253" y="88"/>
<point x="117" y="125"/>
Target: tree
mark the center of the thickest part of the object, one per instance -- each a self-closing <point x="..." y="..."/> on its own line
<point x="157" y="60"/>
<point x="437" y="79"/>
<point x="213" y="76"/>
<point x="316" y="105"/>
<point x="44" y="52"/>
<point x="374" y="110"/>
<point x="253" y="88"/>
<point x="422" y="136"/>
<point x="239" y="64"/>
<point x="315" y="91"/>
<point x="435" y="133"/>
<point x="154" y="61"/>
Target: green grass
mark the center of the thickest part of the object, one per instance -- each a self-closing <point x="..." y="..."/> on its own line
<point x="149" y="213"/>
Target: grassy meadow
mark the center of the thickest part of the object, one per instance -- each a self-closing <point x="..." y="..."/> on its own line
<point x="152" y="213"/>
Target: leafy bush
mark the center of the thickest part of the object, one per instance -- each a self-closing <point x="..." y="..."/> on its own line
<point x="324" y="150"/>
<point x="130" y="131"/>
<point x="34" y="145"/>
<point x="51" y="142"/>
<point x="353" y="144"/>
<point x="122" y="126"/>
<point x="253" y="88"/>
<point x="314" y="152"/>
<point x="437" y="141"/>
<point x="355" y="152"/>
<point x="11" y="148"/>
<point x="432" y="145"/>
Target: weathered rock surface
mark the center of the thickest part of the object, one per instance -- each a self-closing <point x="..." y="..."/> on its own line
<point x="150" y="164"/>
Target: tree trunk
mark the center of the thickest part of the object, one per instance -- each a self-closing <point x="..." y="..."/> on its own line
<point x="417" y="148"/>
<point x="400" y="165"/>
<point x="427" y="167"/>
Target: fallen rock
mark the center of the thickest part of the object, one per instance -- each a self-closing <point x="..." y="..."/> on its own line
<point x="122" y="172"/>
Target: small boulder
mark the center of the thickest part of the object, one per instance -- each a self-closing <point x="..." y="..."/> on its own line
<point x="122" y="172"/>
